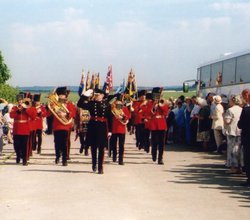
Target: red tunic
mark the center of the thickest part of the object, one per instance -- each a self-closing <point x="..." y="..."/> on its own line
<point x="57" y="125"/>
<point x="72" y="108"/>
<point x="21" y="120"/>
<point x="158" y="118"/>
<point x="148" y="115"/>
<point x="40" y="114"/>
<point x="117" y="126"/>
<point x="32" y="121"/>
<point x="140" y="109"/>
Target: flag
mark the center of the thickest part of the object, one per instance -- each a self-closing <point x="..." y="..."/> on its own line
<point x="92" y="83"/>
<point x="131" y="87"/>
<point x="121" y="88"/>
<point x="97" y="81"/>
<point x="81" y="88"/>
<point x="87" y="85"/>
<point x="108" y="84"/>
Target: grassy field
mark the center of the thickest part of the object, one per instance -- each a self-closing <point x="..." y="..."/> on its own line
<point x="73" y="96"/>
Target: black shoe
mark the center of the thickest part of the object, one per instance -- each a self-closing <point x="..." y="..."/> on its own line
<point x="247" y="183"/>
<point x="100" y="172"/>
<point x="114" y="160"/>
<point x="86" y="153"/>
<point x="25" y="163"/>
<point x="81" y="150"/>
<point x="94" y="168"/>
<point x="65" y="163"/>
<point x="154" y="159"/>
<point x="56" y="160"/>
<point x="160" y="162"/>
<point x="121" y="163"/>
<point x="18" y="160"/>
<point x="38" y="151"/>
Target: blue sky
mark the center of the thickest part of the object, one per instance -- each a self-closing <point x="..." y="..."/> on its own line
<point x="47" y="42"/>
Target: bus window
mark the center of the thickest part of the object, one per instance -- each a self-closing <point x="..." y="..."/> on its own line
<point x="243" y="69"/>
<point x="229" y="72"/>
<point x="205" y="76"/>
<point x="216" y="74"/>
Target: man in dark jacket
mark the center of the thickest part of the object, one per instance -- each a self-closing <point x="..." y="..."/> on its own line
<point x="243" y="124"/>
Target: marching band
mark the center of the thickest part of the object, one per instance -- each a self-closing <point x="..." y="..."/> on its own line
<point x="100" y="122"/>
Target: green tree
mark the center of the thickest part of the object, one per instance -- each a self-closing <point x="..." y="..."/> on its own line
<point x="6" y="91"/>
<point x="4" y="70"/>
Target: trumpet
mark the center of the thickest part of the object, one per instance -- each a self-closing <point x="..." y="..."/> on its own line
<point x="27" y="103"/>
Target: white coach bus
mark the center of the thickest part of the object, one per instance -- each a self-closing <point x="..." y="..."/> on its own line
<point x="225" y="76"/>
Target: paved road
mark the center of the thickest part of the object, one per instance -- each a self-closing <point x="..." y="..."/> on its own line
<point x="191" y="185"/>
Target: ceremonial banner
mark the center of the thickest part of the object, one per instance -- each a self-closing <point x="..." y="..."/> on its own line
<point x="131" y="87"/>
<point x="108" y="84"/>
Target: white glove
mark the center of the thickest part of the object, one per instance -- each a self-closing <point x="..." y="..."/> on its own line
<point x="88" y="93"/>
<point x="109" y="134"/>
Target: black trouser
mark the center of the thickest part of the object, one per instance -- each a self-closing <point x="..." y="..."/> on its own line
<point x="60" y="139"/>
<point x="100" y="157"/>
<point x="246" y="149"/>
<point x="82" y="136"/>
<point x="33" y="139"/>
<point x="113" y="145"/>
<point x="21" y="147"/>
<point x="146" y="140"/>
<point x="193" y="129"/>
<point x="68" y="144"/>
<point x="39" y="139"/>
<point x="158" y="140"/>
<point x="139" y="134"/>
<point x="49" y="120"/>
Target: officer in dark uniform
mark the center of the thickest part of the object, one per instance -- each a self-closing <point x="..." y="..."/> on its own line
<point x="99" y="126"/>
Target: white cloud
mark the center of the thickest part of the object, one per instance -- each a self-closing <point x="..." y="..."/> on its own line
<point x="239" y="6"/>
<point x="160" y="56"/>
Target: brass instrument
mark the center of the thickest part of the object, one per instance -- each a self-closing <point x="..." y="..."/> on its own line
<point x="157" y="103"/>
<point x="58" y="109"/>
<point x="84" y="116"/>
<point x="27" y="103"/>
<point x="118" y="113"/>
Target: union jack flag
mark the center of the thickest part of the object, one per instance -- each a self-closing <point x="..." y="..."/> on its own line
<point x="108" y="85"/>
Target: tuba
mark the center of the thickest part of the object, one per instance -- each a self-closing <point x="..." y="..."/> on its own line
<point x="57" y="107"/>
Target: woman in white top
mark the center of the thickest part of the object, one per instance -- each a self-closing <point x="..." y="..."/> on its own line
<point x="233" y="133"/>
<point x="218" y="122"/>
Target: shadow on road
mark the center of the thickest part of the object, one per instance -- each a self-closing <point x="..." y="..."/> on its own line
<point x="212" y="176"/>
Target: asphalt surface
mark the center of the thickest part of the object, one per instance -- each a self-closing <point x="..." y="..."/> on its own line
<point x="190" y="185"/>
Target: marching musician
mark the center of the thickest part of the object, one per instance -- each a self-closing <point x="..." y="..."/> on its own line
<point x="140" y="108"/>
<point x="158" y="126"/>
<point x="147" y="121"/>
<point x="40" y="114"/>
<point x="99" y="126"/>
<point x="61" y="129"/>
<point x="81" y="123"/>
<point x="72" y="108"/>
<point x="120" y="118"/>
<point x="32" y="125"/>
<point x="21" y="113"/>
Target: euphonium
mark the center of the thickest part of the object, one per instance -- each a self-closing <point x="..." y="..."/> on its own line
<point x="57" y="108"/>
<point x="119" y="114"/>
